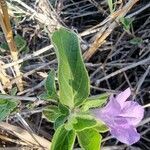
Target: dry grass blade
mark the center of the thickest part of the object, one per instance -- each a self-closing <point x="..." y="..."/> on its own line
<point x="7" y="139"/>
<point x="101" y="36"/>
<point x="24" y="136"/>
<point x="4" y="78"/>
<point x="47" y="15"/>
<point x="6" y="27"/>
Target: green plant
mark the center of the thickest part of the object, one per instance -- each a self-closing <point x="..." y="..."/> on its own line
<point x="71" y="112"/>
<point x="127" y="23"/>
<point x="112" y="5"/>
<point x="20" y="43"/>
<point x="136" y="41"/>
<point x="74" y="114"/>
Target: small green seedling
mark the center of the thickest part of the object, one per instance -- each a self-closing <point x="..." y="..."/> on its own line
<point x="127" y="23"/>
<point x="136" y="41"/>
<point x="112" y="5"/>
<point x="20" y="43"/>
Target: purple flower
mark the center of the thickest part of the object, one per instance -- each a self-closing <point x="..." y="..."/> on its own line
<point x="122" y="117"/>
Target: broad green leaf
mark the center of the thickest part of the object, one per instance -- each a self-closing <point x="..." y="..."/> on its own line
<point x="94" y="101"/>
<point x="83" y="124"/>
<point x="59" y="121"/>
<point x="47" y="97"/>
<point x="63" y="139"/>
<point x="72" y="75"/>
<point x="6" y="107"/>
<point x="63" y="109"/>
<point x="89" y="139"/>
<point x="50" y="86"/>
<point x="101" y="127"/>
<point x="51" y="113"/>
<point x="136" y="41"/>
<point x="126" y="22"/>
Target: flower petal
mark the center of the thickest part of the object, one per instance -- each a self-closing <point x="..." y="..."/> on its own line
<point x="109" y="112"/>
<point x="126" y="134"/>
<point x="112" y="108"/>
<point x="132" y="112"/>
<point x="123" y="96"/>
<point x="102" y="116"/>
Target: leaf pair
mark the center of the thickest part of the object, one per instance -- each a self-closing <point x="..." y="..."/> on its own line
<point x="87" y="132"/>
<point x="89" y="139"/>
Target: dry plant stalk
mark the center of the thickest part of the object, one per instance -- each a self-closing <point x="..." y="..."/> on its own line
<point x="6" y="27"/>
<point x="107" y="29"/>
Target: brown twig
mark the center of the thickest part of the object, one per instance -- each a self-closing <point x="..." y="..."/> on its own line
<point x="100" y="37"/>
<point x="124" y="69"/>
<point x="29" y="56"/>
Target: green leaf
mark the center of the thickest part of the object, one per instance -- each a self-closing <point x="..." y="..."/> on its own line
<point x="136" y="41"/>
<point x="21" y="43"/>
<point x="71" y="121"/>
<point x="47" y="97"/>
<point x="101" y="127"/>
<point x="84" y="123"/>
<point x="59" y="121"/>
<point x="6" y="107"/>
<point x="4" y="46"/>
<point x="94" y="101"/>
<point x="14" y="91"/>
<point x="126" y="22"/>
<point x="50" y="86"/>
<point x="63" y="139"/>
<point x="51" y="113"/>
<point x="89" y="139"/>
<point x="63" y="109"/>
<point x="72" y="75"/>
